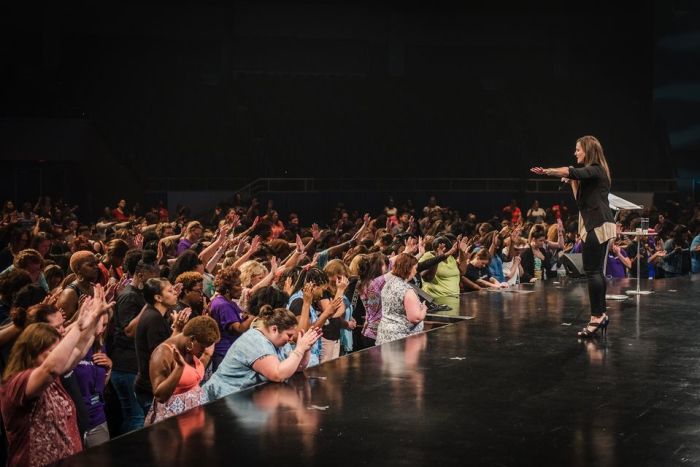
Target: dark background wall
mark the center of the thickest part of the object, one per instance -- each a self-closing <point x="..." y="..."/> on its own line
<point x="152" y="90"/>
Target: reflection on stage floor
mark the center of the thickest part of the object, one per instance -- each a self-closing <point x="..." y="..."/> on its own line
<point x="513" y="385"/>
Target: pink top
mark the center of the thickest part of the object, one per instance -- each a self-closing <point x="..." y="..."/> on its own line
<point x="191" y="377"/>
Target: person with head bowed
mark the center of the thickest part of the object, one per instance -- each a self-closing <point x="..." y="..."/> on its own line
<point x="263" y="353"/>
<point x="177" y="367"/>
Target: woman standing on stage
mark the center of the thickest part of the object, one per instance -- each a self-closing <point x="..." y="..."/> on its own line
<point x="591" y="186"/>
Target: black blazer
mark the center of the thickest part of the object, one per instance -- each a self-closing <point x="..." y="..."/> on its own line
<point x="592" y="196"/>
<point x="527" y="261"/>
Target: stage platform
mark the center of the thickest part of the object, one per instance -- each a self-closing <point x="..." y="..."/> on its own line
<point x="508" y="383"/>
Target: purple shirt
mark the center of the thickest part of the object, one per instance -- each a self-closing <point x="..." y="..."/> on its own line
<point x="224" y="313"/>
<point x="615" y="268"/>
<point x="183" y="245"/>
<point x="91" y="381"/>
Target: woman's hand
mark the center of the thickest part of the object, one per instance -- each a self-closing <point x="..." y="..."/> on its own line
<point x="306" y="340"/>
<point x="341" y="283"/>
<point x="411" y="246"/>
<point x="315" y="232"/>
<point x="421" y="246"/>
<point x="177" y="357"/>
<point x="538" y="171"/>
<point x="180" y="318"/>
<point x="101" y="359"/>
<point x="308" y="292"/>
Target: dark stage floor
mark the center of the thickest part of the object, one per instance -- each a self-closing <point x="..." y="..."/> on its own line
<point x="512" y="386"/>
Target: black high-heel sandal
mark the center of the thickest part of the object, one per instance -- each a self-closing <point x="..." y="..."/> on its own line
<point x="602" y="325"/>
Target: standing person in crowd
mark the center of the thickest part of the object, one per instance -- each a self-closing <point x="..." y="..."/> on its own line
<point x="92" y="375"/>
<point x="177" y="368"/>
<point x="84" y="266"/>
<point x="672" y="263"/>
<point x="372" y="280"/>
<point x="193" y="232"/>
<point x="10" y="284"/>
<point x="695" y="250"/>
<point x="338" y="274"/>
<point x="536" y="214"/>
<point x="130" y="303"/>
<point x="119" y="213"/>
<point x="19" y="240"/>
<point x="152" y="330"/>
<point x="192" y="294"/>
<point x="591" y="186"/>
<point x="513" y="213"/>
<point x="111" y="264"/>
<point x="402" y="311"/>
<point x="263" y="354"/>
<point x="39" y="416"/>
<point x="313" y="306"/>
<point x="231" y="319"/>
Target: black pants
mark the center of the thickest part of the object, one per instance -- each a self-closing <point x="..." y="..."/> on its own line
<point x="594" y="255"/>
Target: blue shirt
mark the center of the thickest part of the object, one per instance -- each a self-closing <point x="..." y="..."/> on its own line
<point x="695" y="257"/>
<point x="236" y="372"/>
<point x="313" y="316"/>
<point x="496" y="268"/>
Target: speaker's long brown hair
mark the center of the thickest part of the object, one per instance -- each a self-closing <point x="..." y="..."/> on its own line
<point x="594" y="152"/>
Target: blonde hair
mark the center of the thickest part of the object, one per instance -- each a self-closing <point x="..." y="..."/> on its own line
<point x="250" y="269"/>
<point x="355" y="264"/>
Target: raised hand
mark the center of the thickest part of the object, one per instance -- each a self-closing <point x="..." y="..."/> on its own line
<point x="300" y="244"/>
<point x="455" y="246"/>
<point x="180" y="318"/>
<point x="341" y="283"/>
<point x="411" y="246"/>
<point x="315" y="232"/>
<point x="421" y="246"/>
<point x="537" y="170"/>
<point x="305" y="340"/>
<point x="273" y="266"/>
<point x="255" y="245"/>
<point x="177" y="288"/>
<point x="440" y="249"/>
<point x="465" y="245"/>
<point x="366" y="219"/>
<point x="308" y="292"/>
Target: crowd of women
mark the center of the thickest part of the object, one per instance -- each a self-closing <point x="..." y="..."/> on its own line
<point x="111" y="326"/>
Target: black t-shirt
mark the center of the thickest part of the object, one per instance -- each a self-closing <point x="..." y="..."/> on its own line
<point x="331" y="329"/>
<point x="643" y="261"/>
<point x="474" y="274"/>
<point x="358" y="310"/>
<point x="153" y="329"/>
<point x="130" y="302"/>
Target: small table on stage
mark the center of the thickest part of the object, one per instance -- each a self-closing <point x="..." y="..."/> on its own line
<point x="639" y="236"/>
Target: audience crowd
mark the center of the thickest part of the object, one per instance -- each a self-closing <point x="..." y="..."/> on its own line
<point x="139" y="316"/>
